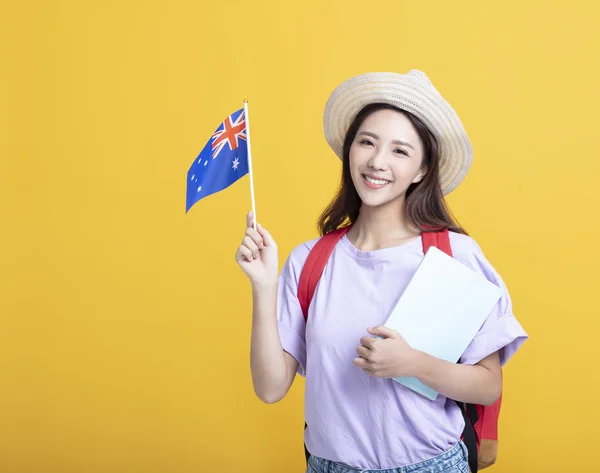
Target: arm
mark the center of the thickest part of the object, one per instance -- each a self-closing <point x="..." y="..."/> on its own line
<point x="476" y="384"/>
<point x="392" y="357"/>
<point x="273" y="369"/>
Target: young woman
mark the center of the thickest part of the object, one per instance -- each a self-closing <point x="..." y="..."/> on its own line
<point x="403" y="148"/>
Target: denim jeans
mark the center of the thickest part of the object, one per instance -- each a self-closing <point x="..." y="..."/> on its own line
<point x="453" y="461"/>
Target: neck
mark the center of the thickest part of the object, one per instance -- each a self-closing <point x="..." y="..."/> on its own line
<point x="381" y="227"/>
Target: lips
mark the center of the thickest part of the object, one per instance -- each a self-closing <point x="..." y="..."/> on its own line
<point x="375" y="183"/>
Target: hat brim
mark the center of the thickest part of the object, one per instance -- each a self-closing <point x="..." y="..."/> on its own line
<point x="413" y="93"/>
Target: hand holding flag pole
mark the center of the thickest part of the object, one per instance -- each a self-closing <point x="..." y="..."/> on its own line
<point x="226" y="157"/>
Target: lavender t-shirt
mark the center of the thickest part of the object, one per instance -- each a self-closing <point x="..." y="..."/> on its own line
<point x="355" y="418"/>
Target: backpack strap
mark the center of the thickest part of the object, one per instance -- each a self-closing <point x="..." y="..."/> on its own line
<point x="481" y="422"/>
<point x="469" y="436"/>
<point x="440" y="239"/>
<point x="486" y="429"/>
<point x="311" y="273"/>
<point x="314" y="266"/>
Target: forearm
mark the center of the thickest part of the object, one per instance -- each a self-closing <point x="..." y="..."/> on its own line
<point x="267" y="358"/>
<point x="476" y="384"/>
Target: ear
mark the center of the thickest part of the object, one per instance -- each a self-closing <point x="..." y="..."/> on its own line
<point x="420" y="175"/>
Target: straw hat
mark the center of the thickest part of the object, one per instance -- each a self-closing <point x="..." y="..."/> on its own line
<point x="414" y="93"/>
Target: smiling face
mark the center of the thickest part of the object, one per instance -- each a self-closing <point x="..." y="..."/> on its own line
<point x="386" y="157"/>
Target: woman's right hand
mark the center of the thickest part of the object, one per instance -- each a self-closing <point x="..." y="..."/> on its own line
<point x="257" y="255"/>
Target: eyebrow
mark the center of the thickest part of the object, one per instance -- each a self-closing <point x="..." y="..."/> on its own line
<point x="397" y="142"/>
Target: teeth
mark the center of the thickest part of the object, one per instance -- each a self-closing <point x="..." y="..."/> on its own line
<point x="378" y="182"/>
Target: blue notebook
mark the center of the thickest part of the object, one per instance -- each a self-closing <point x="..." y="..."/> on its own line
<point x="442" y="309"/>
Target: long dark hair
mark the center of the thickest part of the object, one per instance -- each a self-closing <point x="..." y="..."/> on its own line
<point x="425" y="204"/>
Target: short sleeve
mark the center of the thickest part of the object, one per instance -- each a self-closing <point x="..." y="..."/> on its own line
<point x="501" y="331"/>
<point x="290" y="319"/>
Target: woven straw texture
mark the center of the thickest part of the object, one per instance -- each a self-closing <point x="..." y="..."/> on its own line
<point x="414" y="93"/>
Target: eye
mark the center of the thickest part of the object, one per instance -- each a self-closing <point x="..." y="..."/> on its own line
<point x="366" y="142"/>
<point x="400" y="151"/>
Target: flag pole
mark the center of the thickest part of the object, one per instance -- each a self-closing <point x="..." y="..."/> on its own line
<point x="250" y="161"/>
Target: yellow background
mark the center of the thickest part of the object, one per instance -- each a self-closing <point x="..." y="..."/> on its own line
<point x="124" y="322"/>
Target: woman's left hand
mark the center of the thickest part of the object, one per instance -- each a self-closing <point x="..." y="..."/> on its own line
<point x="387" y="357"/>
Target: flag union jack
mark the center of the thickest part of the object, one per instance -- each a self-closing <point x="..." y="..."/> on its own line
<point x="208" y="175"/>
<point x="229" y="133"/>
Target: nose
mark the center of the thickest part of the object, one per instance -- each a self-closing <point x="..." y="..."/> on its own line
<point x="377" y="160"/>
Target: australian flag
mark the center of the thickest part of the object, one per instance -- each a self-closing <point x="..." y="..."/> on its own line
<point x="223" y="160"/>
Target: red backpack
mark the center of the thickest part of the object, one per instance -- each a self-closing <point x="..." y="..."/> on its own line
<point x="481" y="422"/>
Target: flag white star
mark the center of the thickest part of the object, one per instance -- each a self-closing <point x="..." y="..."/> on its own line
<point x="200" y="160"/>
<point x="193" y="176"/>
<point x="236" y="163"/>
<point x="206" y="162"/>
<point x="199" y="188"/>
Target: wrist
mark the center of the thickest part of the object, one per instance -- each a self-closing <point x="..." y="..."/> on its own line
<point x="264" y="287"/>
<point x="418" y="363"/>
